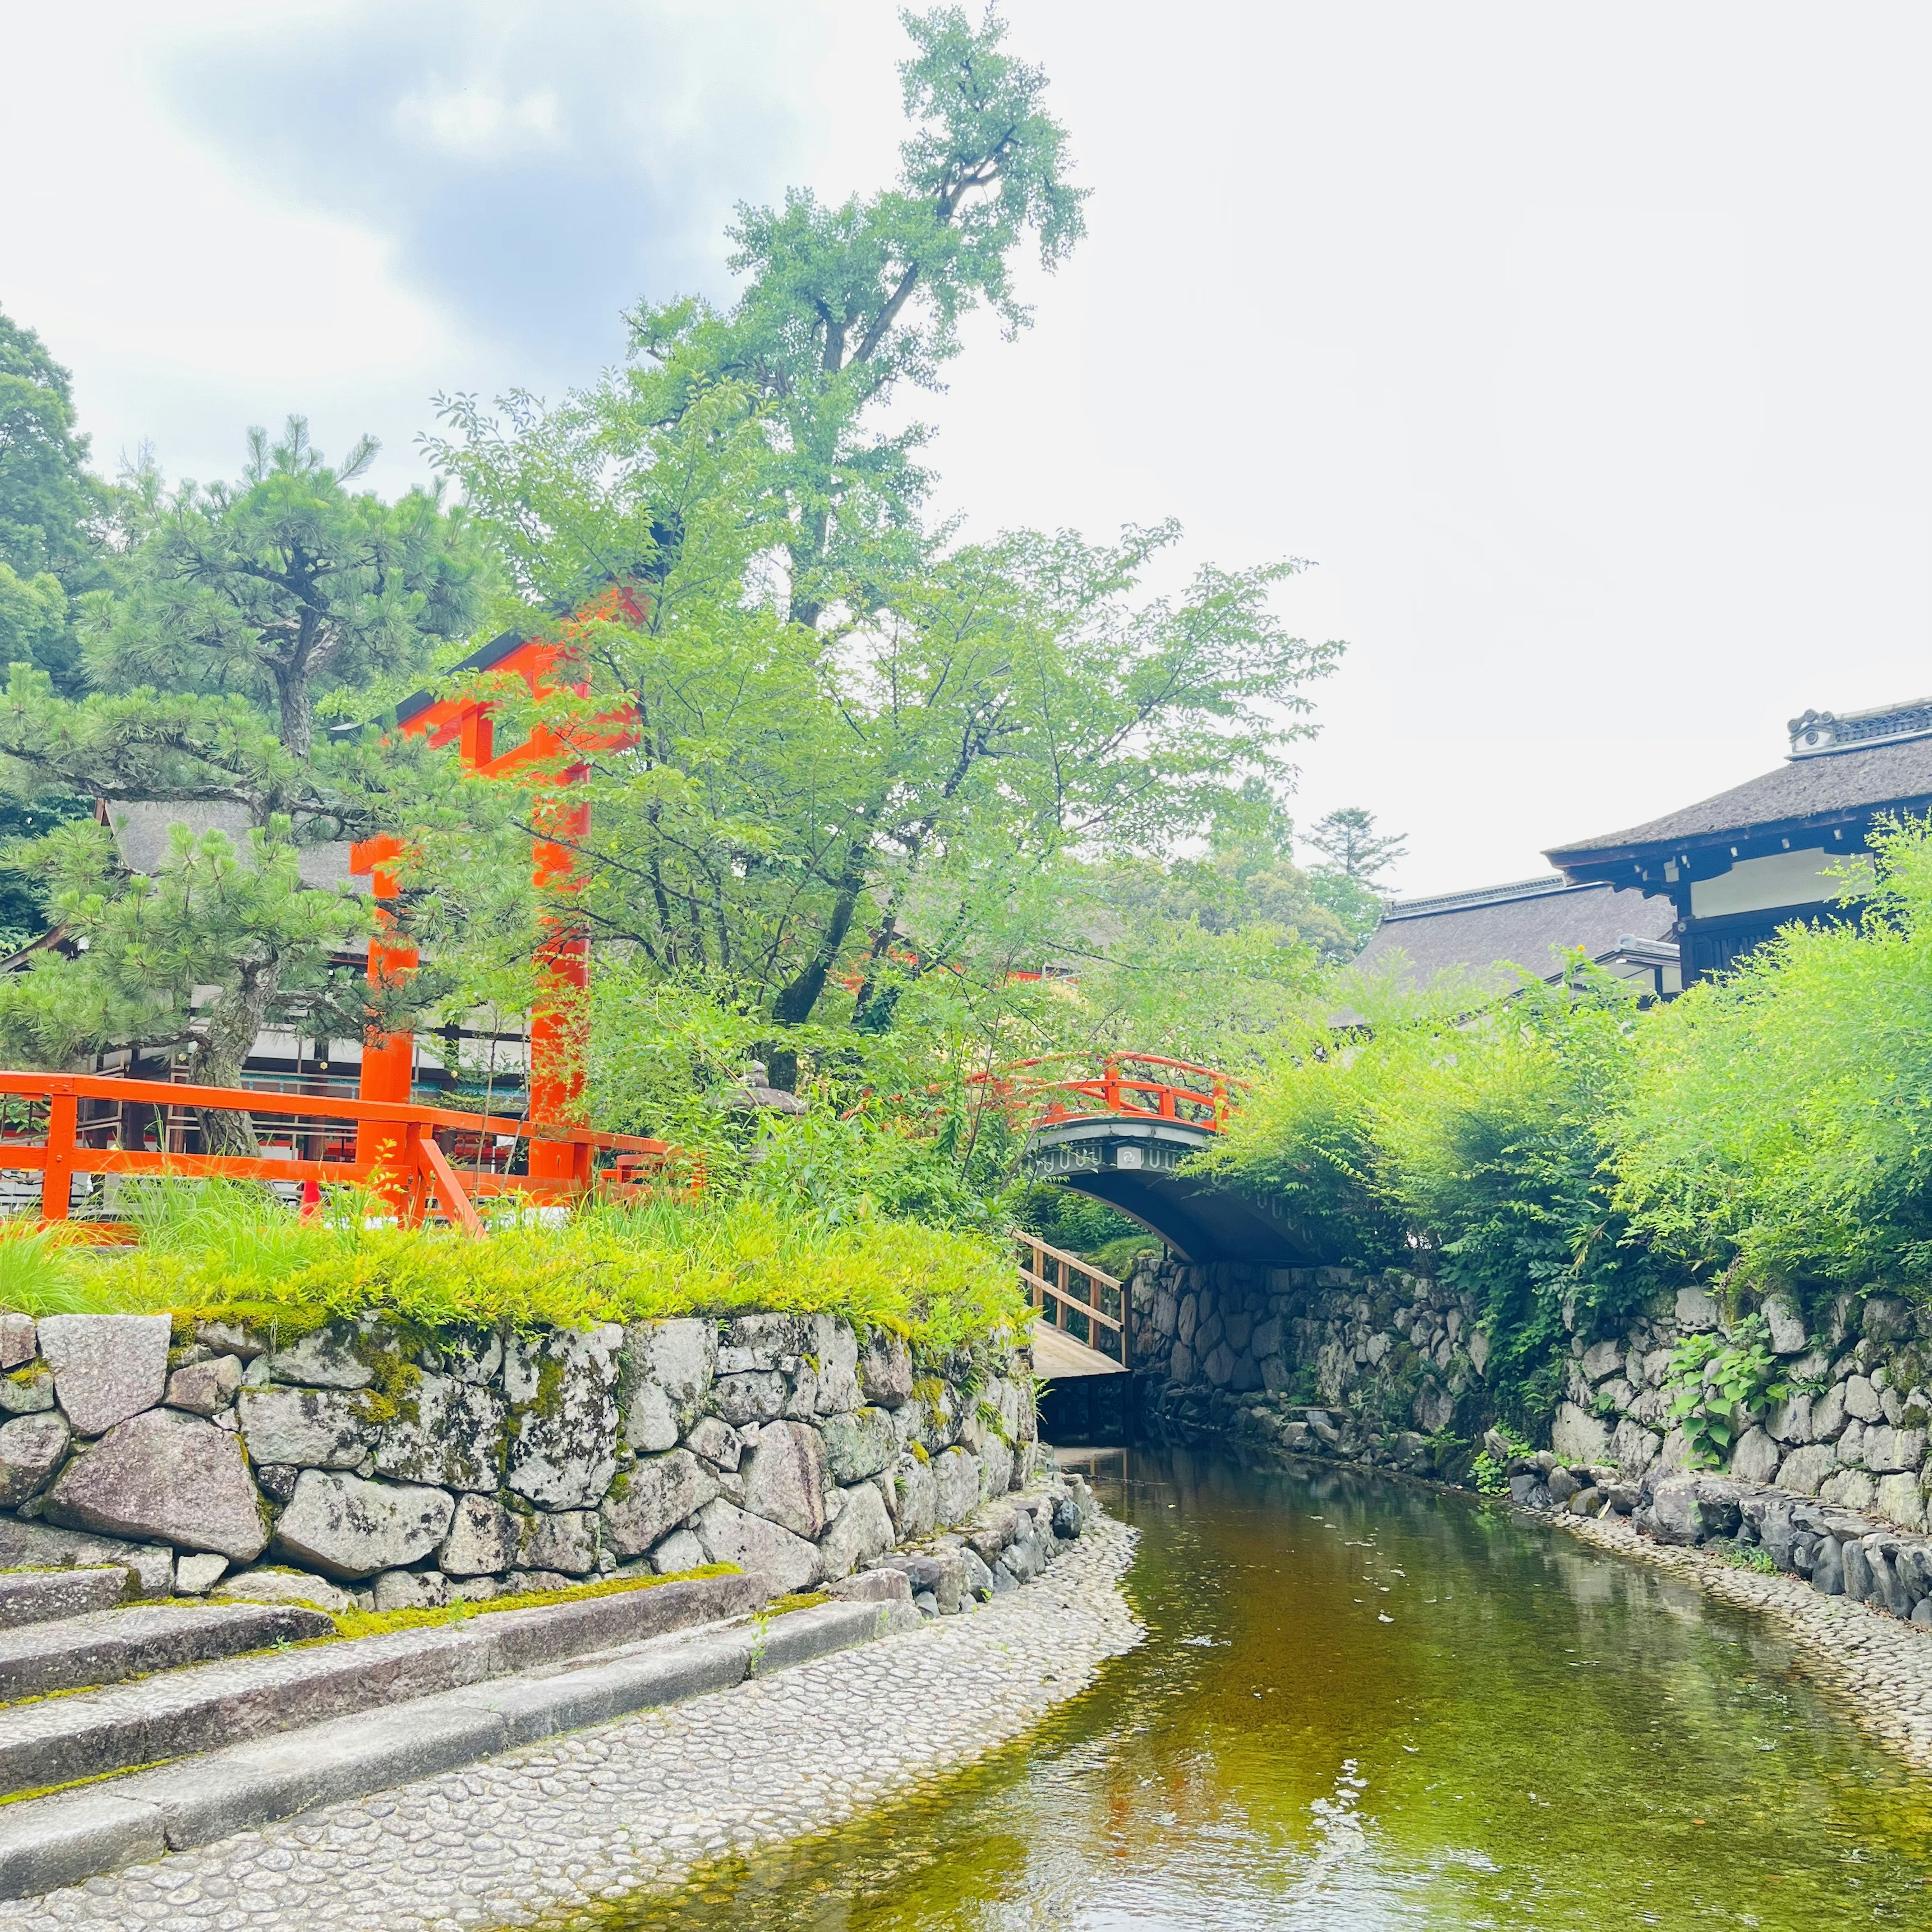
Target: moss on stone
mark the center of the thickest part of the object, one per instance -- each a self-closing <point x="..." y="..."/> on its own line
<point x="380" y="1623"/>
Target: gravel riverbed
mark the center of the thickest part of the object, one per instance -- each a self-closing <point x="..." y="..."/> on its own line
<point x="1883" y="1667"/>
<point x="537" y="1834"/>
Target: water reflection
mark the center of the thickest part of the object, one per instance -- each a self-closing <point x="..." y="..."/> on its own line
<point x="1363" y="1704"/>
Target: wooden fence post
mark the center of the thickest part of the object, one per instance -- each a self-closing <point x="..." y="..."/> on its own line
<point x="57" y="1176"/>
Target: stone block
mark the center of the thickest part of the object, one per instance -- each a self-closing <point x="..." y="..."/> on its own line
<point x="1187" y="1319"/>
<point x="679" y="1551"/>
<point x="38" y="1546"/>
<point x="1887" y="1451"/>
<point x="757" y="1396"/>
<point x="1787" y="1323"/>
<point x="668" y="1370"/>
<point x="1790" y="1421"/>
<point x="1884" y="1319"/>
<point x="31" y="1448"/>
<point x="481" y="1540"/>
<point x="956" y="1479"/>
<point x="305" y="1428"/>
<point x="411" y="1590"/>
<point x="1861" y="1400"/>
<point x="1577" y="1436"/>
<point x="196" y="1575"/>
<point x="1695" y="1310"/>
<point x="784" y="1561"/>
<point x="206" y="1388"/>
<point x="1756" y="1456"/>
<point x="837" y="1376"/>
<point x="560" y="1540"/>
<point x="454" y="1440"/>
<point x="1219" y="1367"/>
<point x="785" y="1478"/>
<point x="716" y="1441"/>
<point x="564" y="1423"/>
<point x="17" y="1340"/>
<point x="105" y="1367"/>
<point x="345" y="1526"/>
<point x="1602" y="1359"/>
<point x="861" y="1531"/>
<point x="659" y="1492"/>
<point x="165" y="1477"/>
<point x="996" y="1461"/>
<point x="858" y="1444"/>
<point x="1828" y="1414"/>
<point x="1900" y="1500"/>
<point x="917" y="1491"/>
<point x="885" y="1369"/>
<point x="1180" y="1364"/>
<point x="331" y="1357"/>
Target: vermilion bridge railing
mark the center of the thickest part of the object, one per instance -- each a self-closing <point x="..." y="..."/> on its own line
<point x="424" y="1159"/>
<point x="1130" y="1086"/>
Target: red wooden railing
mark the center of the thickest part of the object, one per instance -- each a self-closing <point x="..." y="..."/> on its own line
<point x="1126" y="1085"/>
<point x="395" y="1147"/>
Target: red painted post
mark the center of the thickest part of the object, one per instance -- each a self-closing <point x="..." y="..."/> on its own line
<point x="57" y="1178"/>
<point x="388" y="1060"/>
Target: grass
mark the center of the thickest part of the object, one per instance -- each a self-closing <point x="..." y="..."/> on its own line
<point x="227" y="1251"/>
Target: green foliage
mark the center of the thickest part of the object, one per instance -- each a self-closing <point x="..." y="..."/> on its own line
<point x="1713" y="1382"/>
<point x="1779" y="1122"/>
<point x="212" y="1248"/>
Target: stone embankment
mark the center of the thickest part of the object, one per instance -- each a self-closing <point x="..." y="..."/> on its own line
<point x="543" y="1833"/>
<point x="391" y="1476"/>
<point x="1392" y="1369"/>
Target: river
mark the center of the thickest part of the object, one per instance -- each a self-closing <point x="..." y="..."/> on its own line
<point x="1365" y="1705"/>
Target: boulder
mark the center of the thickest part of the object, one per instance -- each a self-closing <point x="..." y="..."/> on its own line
<point x="1578" y="1436"/>
<point x="1601" y="1359"/>
<point x="871" y="1586"/>
<point x="1828" y="1414"/>
<point x="1219" y="1367"/>
<point x="1634" y="1447"/>
<point x="1790" y="1421"/>
<point x="283" y="1586"/>
<point x="206" y="1388"/>
<point x="481" y="1539"/>
<point x="454" y="1439"/>
<point x="679" y="1552"/>
<point x="1862" y="1400"/>
<point x="916" y="1493"/>
<point x="230" y="1338"/>
<point x="306" y="1428"/>
<point x="105" y="1367"/>
<point x="1696" y="1309"/>
<point x="345" y="1526"/>
<point x="996" y="1460"/>
<point x="716" y="1441"/>
<point x="1756" y="1458"/>
<point x="165" y="1477"/>
<point x="858" y="1444"/>
<point x="785" y="1478"/>
<point x="955" y="1477"/>
<point x="1899" y="1500"/>
<point x="838" y="1390"/>
<point x="861" y="1530"/>
<point x="563" y="1540"/>
<point x="28" y="1391"/>
<point x="31" y="1448"/>
<point x="1694" y="1509"/>
<point x="564" y="1425"/>
<point x="758" y="1396"/>
<point x="327" y="1359"/>
<point x="659" y="1492"/>
<point x="885" y="1369"/>
<point x="667" y="1373"/>
<point x="786" y="1562"/>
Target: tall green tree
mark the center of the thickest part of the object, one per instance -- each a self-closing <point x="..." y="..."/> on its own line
<point x="49" y="510"/>
<point x="843" y="304"/>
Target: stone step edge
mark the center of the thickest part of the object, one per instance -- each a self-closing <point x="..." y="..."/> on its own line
<point x="66" y="1837"/>
<point x="30" y="1597"/>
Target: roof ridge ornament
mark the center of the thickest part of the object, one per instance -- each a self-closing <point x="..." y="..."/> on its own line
<point x="1817" y="733"/>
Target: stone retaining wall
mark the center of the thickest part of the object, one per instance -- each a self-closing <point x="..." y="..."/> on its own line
<point x="486" y="1462"/>
<point x="1391" y="1369"/>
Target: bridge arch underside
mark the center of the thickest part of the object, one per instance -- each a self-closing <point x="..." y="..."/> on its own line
<point x="1131" y="1164"/>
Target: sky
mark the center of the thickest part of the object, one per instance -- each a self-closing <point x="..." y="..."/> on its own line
<point x="1585" y="353"/>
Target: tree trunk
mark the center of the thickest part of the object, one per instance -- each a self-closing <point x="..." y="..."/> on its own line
<point x="233" y="1022"/>
<point x="794" y="1004"/>
<point x="298" y="712"/>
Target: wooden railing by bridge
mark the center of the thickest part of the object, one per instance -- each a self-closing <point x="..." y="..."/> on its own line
<point x="1131" y="1086"/>
<point x="425" y="1159"/>
<point x="1078" y="1298"/>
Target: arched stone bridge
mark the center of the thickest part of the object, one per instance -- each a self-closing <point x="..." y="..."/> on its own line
<point x="1121" y="1134"/>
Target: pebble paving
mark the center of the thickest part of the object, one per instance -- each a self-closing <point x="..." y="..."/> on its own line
<point x="539" y="1834"/>
<point x="1883" y="1666"/>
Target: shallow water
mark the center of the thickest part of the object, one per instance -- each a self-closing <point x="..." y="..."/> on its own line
<point x="1363" y="1704"/>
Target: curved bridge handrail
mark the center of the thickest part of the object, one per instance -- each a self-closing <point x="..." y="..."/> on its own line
<point x="1117" y="1091"/>
<point x="1075" y="1296"/>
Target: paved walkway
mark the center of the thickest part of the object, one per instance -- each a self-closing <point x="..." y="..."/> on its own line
<point x="596" y="1815"/>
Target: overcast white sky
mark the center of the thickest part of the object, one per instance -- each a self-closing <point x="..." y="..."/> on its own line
<point x="1585" y="350"/>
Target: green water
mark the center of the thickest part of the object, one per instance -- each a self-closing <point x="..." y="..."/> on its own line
<point x="1364" y="1705"/>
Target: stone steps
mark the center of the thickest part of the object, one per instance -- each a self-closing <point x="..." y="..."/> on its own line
<point x="105" y="1646"/>
<point x="65" y="1837"/>
<point x="57" y="1740"/>
<point x="41" y="1596"/>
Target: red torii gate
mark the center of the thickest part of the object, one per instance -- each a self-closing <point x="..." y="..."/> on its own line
<point x="549" y="666"/>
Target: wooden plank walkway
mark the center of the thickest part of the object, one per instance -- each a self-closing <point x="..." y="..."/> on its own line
<point x="1059" y="1357"/>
